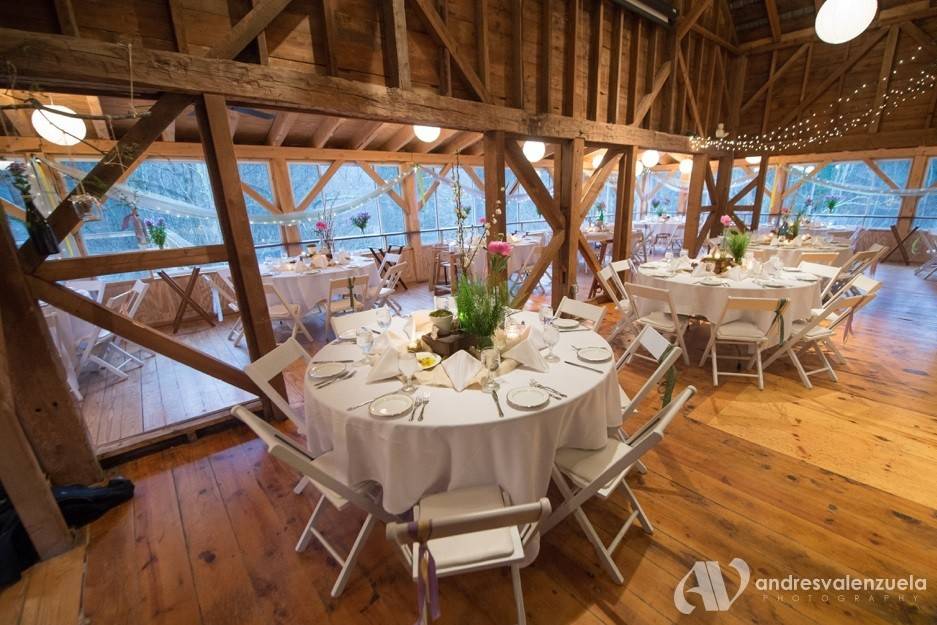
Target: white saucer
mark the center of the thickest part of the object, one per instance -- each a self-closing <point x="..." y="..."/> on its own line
<point x="391" y="405"/>
<point x="528" y="398"/>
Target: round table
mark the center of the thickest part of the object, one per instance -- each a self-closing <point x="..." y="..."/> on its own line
<point x="791" y="255"/>
<point x="697" y="300"/>
<point x="462" y="441"/>
<point x="521" y="252"/>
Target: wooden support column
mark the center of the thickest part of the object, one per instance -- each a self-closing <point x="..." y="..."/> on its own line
<point x="759" y="191"/>
<point x="544" y="77"/>
<point x="596" y="42"/>
<point x="495" y="205"/>
<point x="394" y="41"/>
<point x="624" y="203"/>
<point x="22" y="477"/>
<point x="285" y="204"/>
<point x="691" y="240"/>
<point x="909" y="203"/>
<point x="568" y="178"/>
<point x="235" y="228"/>
<point x="720" y="203"/>
<point x="571" y="58"/>
<point x="411" y="219"/>
<point x="45" y="406"/>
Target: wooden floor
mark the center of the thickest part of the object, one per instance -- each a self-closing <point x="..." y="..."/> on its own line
<point x="825" y="483"/>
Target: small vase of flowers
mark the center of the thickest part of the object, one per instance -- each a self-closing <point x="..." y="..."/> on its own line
<point x="325" y="229"/>
<point x="156" y="231"/>
<point x="360" y="220"/>
<point x="735" y="241"/>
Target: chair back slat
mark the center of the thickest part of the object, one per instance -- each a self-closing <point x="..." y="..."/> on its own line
<point x="655" y="343"/>
<point x="341" y="323"/>
<point x="582" y="310"/>
<point x="455" y="525"/>
<point x="272" y="364"/>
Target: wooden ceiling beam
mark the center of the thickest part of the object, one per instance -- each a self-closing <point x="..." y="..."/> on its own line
<point x="331" y="36"/>
<point x="544" y="81"/>
<point x="885" y="74"/>
<point x="614" y="67"/>
<point x="368" y="168"/>
<point x="660" y="79"/>
<point x="801" y="51"/>
<point x="280" y="128"/>
<point x="394" y="44"/>
<point x="365" y="133"/>
<point x="325" y="130"/>
<point x="317" y="188"/>
<point x="400" y="139"/>
<point x="516" y="81"/>
<point x="691" y="94"/>
<point x="65" y="13"/>
<point x="922" y="38"/>
<point x="774" y="20"/>
<point x="684" y="24"/>
<point x="100" y="126"/>
<point x="177" y="19"/>
<point x="440" y="33"/>
<point x="596" y="44"/>
<point x="422" y="147"/>
<point x="481" y="42"/>
<point x="571" y="58"/>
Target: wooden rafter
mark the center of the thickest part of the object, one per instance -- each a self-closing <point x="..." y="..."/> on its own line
<point x="325" y="130"/>
<point x="481" y="42"/>
<point x="394" y="44"/>
<point x="660" y="79"/>
<point x="379" y="181"/>
<point x="596" y="182"/>
<point x="546" y="257"/>
<point x="258" y="197"/>
<point x="691" y="95"/>
<point x="516" y="88"/>
<point x="99" y="125"/>
<point x="596" y="43"/>
<point x="533" y="185"/>
<point x="774" y="20"/>
<point x="331" y="36"/>
<point x="319" y="185"/>
<point x="544" y="82"/>
<point x="885" y="73"/>
<point x="397" y="141"/>
<point x="280" y="128"/>
<point x="777" y="75"/>
<point x="614" y="68"/>
<point x="365" y="134"/>
<point x="124" y="262"/>
<point x="624" y="203"/>
<point x="445" y="59"/>
<point x="65" y="13"/>
<point x="684" y="24"/>
<point x="434" y="185"/>
<point x="805" y="179"/>
<point x="871" y="164"/>
<point x="440" y="33"/>
<point x="571" y="58"/>
<point x="766" y="113"/>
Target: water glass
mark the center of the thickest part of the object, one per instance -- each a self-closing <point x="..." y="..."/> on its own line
<point x="364" y="339"/>
<point x="441" y="302"/>
<point x="491" y="360"/>
<point x="408" y="366"/>
<point x="551" y="336"/>
<point x="545" y="314"/>
<point x="383" y="319"/>
<point x="668" y="256"/>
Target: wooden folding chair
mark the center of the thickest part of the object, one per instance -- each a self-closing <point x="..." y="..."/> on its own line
<point x="822" y="258"/>
<point x="662" y="351"/>
<point x="281" y="310"/>
<point x="746" y="333"/>
<point x="665" y="321"/>
<point x="601" y="472"/>
<point x="343" y="300"/>
<point x="471" y="529"/>
<point x="322" y="472"/>
<point x="581" y="310"/>
<point x="383" y="294"/>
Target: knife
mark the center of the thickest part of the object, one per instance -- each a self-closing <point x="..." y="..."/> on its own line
<point x="494" y="395"/>
<point x="576" y="364"/>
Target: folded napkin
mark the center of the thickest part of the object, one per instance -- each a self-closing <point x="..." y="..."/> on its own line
<point x="386" y="366"/>
<point x="700" y="270"/>
<point x="344" y="257"/>
<point x="419" y="324"/>
<point x="320" y="261"/>
<point x="394" y="340"/>
<point x="527" y="355"/>
<point x="736" y="273"/>
<point x="461" y="367"/>
<point x="535" y="336"/>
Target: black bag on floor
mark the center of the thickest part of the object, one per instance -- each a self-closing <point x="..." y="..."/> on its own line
<point x="80" y="505"/>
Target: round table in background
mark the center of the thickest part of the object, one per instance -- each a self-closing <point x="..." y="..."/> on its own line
<point x="462" y="441"/>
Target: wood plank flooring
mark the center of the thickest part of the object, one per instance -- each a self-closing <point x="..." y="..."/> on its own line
<point x="825" y="483"/>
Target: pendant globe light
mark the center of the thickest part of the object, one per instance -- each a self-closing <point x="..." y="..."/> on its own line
<point x="534" y="150"/>
<point x="59" y="129"/>
<point x="752" y="160"/>
<point x="838" y="21"/>
<point x="686" y="166"/>
<point x="597" y="159"/>
<point x="650" y="158"/>
<point x="426" y="134"/>
<point x="638" y="168"/>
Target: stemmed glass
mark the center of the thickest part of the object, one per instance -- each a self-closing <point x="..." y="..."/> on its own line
<point x="408" y="366"/>
<point x="551" y="336"/>
<point x="383" y="319"/>
<point x="545" y="315"/>
<point x="491" y="359"/>
<point x="364" y="339"/>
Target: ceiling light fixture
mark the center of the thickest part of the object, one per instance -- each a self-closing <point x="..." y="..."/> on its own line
<point x="426" y="134"/>
<point x="752" y="160"/>
<point x="650" y="158"/>
<point x="534" y="150"/>
<point x="839" y="21"/>
<point x="686" y="166"/>
<point x="57" y="128"/>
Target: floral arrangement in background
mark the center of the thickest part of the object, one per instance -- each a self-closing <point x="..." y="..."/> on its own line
<point x="156" y="231"/>
<point x="788" y="226"/>
<point x="325" y="228"/>
<point x="360" y="220"/>
<point x="41" y="236"/>
<point x="831" y="202"/>
<point x="735" y="240"/>
<point x="600" y="218"/>
<point x="660" y="208"/>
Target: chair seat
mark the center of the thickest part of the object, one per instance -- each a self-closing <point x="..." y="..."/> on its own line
<point x="279" y="311"/>
<point x="340" y="305"/>
<point x="328" y="463"/>
<point x="814" y="312"/>
<point x="477" y="547"/>
<point x="817" y="332"/>
<point x="740" y="330"/>
<point x="659" y="320"/>
<point x="584" y="466"/>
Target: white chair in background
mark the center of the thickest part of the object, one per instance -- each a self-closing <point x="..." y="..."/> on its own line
<point x="342" y="300"/>
<point x="390" y="259"/>
<point x="865" y="286"/>
<point x="601" y="472"/>
<point x="744" y="333"/>
<point x="818" y="330"/>
<point x="881" y="252"/>
<point x="94" y="288"/>
<point x="609" y="275"/>
<point x="99" y="343"/>
<point x="822" y="258"/>
<point x="341" y="323"/>
<point x="383" y="295"/>
<point x="853" y="267"/>
<point x="664" y="234"/>
<point x="581" y="310"/>
<point x="321" y="471"/>
<point x="929" y="266"/>
<point x="227" y="296"/>
<point x="666" y="321"/>
<point x="662" y="351"/>
<point x="132" y="306"/>
<point x="471" y="529"/>
<point x="281" y="310"/>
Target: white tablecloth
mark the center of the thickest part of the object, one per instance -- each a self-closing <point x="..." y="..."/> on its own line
<point x="790" y="255"/>
<point x="462" y="442"/>
<point x="308" y="288"/>
<point x="520" y="254"/>
<point x="691" y="298"/>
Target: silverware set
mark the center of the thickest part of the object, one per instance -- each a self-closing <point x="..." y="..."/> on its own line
<point x="342" y="376"/>
<point x="576" y="364"/>
<point x="494" y="396"/>
<point x="552" y="392"/>
<point x="421" y="400"/>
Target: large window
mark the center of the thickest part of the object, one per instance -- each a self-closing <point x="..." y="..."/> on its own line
<point x="926" y="215"/>
<point x="437" y="216"/>
<point x="522" y="213"/>
<point x="12" y="195"/>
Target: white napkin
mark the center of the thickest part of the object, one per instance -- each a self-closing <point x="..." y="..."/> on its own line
<point x="394" y="340"/>
<point x="535" y="336"/>
<point x="700" y="270"/>
<point x="344" y="257"/>
<point x="420" y="323"/>
<point x="461" y="368"/>
<point x="527" y="355"/>
<point x="320" y="261"/>
<point x="386" y="366"/>
<point x="736" y="273"/>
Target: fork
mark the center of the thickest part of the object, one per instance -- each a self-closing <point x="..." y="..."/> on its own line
<point x="424" y="399"/>
<point x="551" y="391"/>
<point x="344" y="376"/>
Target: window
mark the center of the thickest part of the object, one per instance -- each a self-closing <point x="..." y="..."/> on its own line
<point x="442" y="203"/>
<point x="12" y="195"/>
<point x="926" y="215"/>
<point x="522" y="214"/>
<point x="267" y="236"/>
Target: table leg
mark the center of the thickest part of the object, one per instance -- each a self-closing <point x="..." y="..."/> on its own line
<point x="899" y="244"/>
<point x="186" y="298"/>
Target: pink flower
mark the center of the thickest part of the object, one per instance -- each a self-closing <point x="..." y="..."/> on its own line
<point x="482" y="220"/>
<point x="725" y="220"/>
<point x="785" y="211"/>
<point x="500" y="248"/>
<point x="321" y="226"/>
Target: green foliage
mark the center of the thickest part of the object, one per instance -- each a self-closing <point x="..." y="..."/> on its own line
<point x="481" y="306"/>
<point x="737" y="244"/>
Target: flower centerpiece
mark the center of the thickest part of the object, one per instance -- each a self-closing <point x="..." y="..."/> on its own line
<point x="157" y="232"/>
<point x="360" y="220"/>
<point x="831" y="202"/>
<point x="325" y="228"/>
<point x="600" y="218"/>
<point x="735" y="241"/>
<point x="789" y="227"/>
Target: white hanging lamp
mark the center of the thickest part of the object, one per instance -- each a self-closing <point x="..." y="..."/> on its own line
<point x="534" y="150"/>
<point x="57" y="128"/>
<point x="597" y="159"/>
<point x="686" y="166"/>
<point x="638" y="168"/>
<point x="650" y="158"/>
<point x="426" y="134"/>
<point x="839" y="21"/>
<point x="752" y="160"/>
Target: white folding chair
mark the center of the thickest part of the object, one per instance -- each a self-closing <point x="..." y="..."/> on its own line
<point x="865" y="286"/>
<point x="517" y="278"/>
<point x="929" y="266"/>
<point x="581" y="310"/>
<point x="822" y="258"/>
<point x="383" y="294"/>
<point x="99" y="343"/>
<point x="341" y="323"/>
<point x="609" y="275"/>
<point x="323" y="472"/>
<point x="342" y="300"/>
<point x="470" y="529"/>
<point x="132" y="306"/>
<point x="601" y="472"/>
<point x="281" y="310"/>
<point x="390" y="259"/>
<point x="818" y="330"/>
<point x="662" y="351"/>
<point x="744" y="332"/>
<point x="666" y="321"/>
<point x="859" y="262"/>
<point x="94" y="288"/>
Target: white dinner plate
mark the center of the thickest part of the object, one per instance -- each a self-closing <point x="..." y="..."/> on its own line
<point x="565" y="324"/>
<point x="775" y="284"/>
<point x="658" y="273"/>
<point x="806" y="277"/>
<point x="391" y="405"/>
<point x="428" y="360"/>
<point x="528" y="398"/>
<point x="712" y="282"/>
<point x="594" y="354"/>
<point x="653" y="264"/>
<point x="326" y="370"/>
<point x="350" y="334"/>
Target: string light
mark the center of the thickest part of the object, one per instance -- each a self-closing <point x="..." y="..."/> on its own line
<point x="825" y="125"/>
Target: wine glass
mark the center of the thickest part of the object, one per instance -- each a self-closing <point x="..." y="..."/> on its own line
<point x="383" y="319"/>
<point x="364" y="339"/>
<point x="551" y="336"/>
<point x="545" y="315"/>
<point x="408" y="366"/>
<point x="491" y="359"/>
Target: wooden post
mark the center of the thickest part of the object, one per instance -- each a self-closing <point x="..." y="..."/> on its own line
<point x="283" y="193"/>
<point x="694" y="203"/>
<point x="495" y="204"/>
<point x="46" y="408"/>
<point x="624" y="203"/>
<point x="411" y="220"/>
<point x="568" y="177"/>
<point x="22" y="477"/>
<point x="759" y="191"/>
<point x="909" y="202"/>
<point x="721" y="201"/>
<point x="235" y="228"/>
